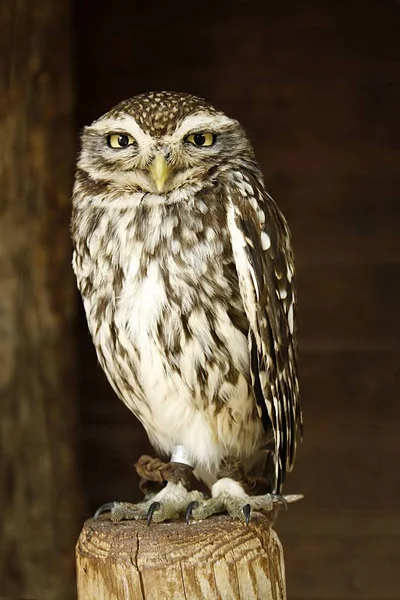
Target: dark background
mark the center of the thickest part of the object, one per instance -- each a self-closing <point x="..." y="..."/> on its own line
<point x="317" y="87"/>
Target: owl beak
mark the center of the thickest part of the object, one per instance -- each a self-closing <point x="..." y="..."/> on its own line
<point x="159" y="170"/>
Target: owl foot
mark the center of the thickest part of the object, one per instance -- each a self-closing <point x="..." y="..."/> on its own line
<point x="228" y="496"/>
<point x="169" y="504"/>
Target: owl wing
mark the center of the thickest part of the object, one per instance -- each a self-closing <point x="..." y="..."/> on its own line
<point x="264" y="261"/>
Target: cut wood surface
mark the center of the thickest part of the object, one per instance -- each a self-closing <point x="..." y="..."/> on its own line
<point x="210" y="560"/>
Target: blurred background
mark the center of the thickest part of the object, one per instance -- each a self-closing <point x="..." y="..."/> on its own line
<point x="316" y="84"/>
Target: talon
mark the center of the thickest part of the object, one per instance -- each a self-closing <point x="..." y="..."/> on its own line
<point x="104" y="508"/>
<point x="153" y="507"/>
<point x="191" y="506"/>
<point x="247" y="513"/>
<point x="282" y="500"/>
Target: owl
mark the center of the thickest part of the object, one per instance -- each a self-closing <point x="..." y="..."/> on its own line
<point x="185" y="266"/>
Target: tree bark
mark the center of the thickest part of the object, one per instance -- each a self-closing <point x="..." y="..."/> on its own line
<point x="38" y="478"/>
<point x="216" y="559"/>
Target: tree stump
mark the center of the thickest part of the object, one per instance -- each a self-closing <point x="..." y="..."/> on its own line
<point x="215" y="559"/>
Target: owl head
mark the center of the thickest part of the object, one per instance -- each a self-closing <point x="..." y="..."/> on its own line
<point x="160" y="142"/>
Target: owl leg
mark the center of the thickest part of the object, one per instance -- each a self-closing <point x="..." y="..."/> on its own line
<point x="233" y="494"/>
<point x="170" y="503"/>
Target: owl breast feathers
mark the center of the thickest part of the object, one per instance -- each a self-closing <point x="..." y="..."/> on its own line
<point x="185" y="266"/>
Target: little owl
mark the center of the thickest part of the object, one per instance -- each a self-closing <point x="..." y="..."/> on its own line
<point x="186" y="271"/>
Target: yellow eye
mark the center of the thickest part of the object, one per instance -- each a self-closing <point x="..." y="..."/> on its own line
<point x="120" y="140"/>
<point x="201" y="139"/>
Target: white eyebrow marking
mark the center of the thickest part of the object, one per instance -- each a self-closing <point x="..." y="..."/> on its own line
<point x="125" y="124"/>
<point x="202" y="121"/>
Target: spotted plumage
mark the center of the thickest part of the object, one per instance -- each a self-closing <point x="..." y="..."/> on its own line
<point x="158" y="113"/>
<point x="185" y="266"/>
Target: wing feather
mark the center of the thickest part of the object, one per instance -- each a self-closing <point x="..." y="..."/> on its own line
<point x="264" y="261"/>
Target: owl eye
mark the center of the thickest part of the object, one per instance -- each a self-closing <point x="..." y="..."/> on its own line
<point x="120" y="140"/>
<point x="201" y="139"/>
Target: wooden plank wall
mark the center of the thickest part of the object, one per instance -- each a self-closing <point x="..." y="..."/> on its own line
<point x="316" y="84"/>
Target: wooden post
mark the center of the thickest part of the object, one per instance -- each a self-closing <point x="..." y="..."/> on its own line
<point x="215" y="559"/>
<point x="39" y="482"/>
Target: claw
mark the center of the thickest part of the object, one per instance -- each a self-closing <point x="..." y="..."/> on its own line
<point x="104" y="508"/>
<point x="282" y="500"/>
<point x="247" y="513"/>
<point x="191" y="506"/>
<point x="153" y="507"/>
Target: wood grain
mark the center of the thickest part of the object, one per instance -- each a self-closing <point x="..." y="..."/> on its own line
<point x="38" y="474"/>
<point x="217" y="559"/>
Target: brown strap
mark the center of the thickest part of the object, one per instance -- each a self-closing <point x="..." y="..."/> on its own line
<point x="154" y="471"/>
